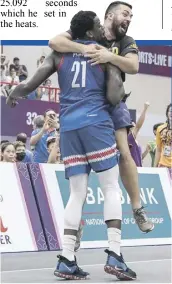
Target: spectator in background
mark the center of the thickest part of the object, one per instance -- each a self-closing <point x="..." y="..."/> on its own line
<point x="3" y="78"/>
<point x="32" y="95"/>
<point x="40" y="61"/>
<point x="46" y="92"/>
<point x="28" y="158"/>
<point x="2" y="73"/>
<point x="151" y="146"/>
<point x="4" y="62"/>
<point x="13" y="78"/>
<point x="53" y="150"/>
<point x="39" y="136"/>
<point x="2" y="142"/>
<point x="20" y="149"/>
<point x="41" y="93"/>
<point x="38" y="123"/>
<point x="163" y="156"/>
<point x="8" y="153"/>
<point x="135" y="149"/>
<point x="20" y="69"/>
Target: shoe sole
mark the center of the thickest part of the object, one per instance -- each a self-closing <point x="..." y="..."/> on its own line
<point x="150" y="230"/>
<point x="120" y="275"/>
<point x="69" y="277"/>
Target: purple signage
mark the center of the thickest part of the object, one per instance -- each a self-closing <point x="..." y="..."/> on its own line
<point x="31" y="206"/>
<point x="155" y="60"/>
<point x="44" y="208"/>
<point x="20" y="119"/>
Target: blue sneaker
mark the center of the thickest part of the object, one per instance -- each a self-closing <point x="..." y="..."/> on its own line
<point x="115" y="265"/>
<point x="69" y="270"/>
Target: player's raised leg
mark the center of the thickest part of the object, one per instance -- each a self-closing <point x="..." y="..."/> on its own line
<point x="128" y="170"/>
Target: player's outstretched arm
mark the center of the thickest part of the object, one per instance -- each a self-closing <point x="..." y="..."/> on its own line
<point x="115" y="89"/>
<point x="41" y="74"/>
<point x="63" y="43"/>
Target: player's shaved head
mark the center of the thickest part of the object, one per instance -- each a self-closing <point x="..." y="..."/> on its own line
<point x="115" y="5"/>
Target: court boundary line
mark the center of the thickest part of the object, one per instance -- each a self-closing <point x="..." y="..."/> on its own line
<point x="84" y="265"/>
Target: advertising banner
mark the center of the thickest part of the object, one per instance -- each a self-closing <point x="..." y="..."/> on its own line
<point x="42" y="195"/>
<point x="155" y="195"/>
<point x="155" y="60"/>
<point x="20" y="226"/>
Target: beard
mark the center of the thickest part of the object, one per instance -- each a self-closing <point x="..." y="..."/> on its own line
<point x="119" y="30"/>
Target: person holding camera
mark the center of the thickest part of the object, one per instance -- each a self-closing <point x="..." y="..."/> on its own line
<point x="54" y="150"/>
<point x="40" y="135"/>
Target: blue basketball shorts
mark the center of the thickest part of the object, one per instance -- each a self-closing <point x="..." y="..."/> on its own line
<point x="91" y="147"/>
<point x="121" y="116"/>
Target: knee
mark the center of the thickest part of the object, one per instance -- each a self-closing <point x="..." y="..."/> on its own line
<point x="78" y="188"/>
<point x="124" y="150"/>
<point x="125" y="156"/>
<point x="80" y="196"/>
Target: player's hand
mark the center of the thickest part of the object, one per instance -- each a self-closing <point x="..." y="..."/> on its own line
<point x="46" y="125"/>
<point x="146" y="105"/>
<point x="53" y="123"/>
<point x="88" y="48"/>
<point x="11" y="102"/>
<point x="101" y="55"/>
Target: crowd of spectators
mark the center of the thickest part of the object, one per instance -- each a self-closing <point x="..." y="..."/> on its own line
<point x="159" y="148"/>
<point x="44" y="142"/>
<point x="14" y="73"/>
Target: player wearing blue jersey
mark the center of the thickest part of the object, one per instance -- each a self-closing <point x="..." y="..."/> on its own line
<point x="87" y="141"/>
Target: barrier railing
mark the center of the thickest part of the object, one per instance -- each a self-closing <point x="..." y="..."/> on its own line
<point x="45" y="93"/>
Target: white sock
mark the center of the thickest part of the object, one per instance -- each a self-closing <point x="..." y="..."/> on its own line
<point x="68" y="247"/>
<point x="114" y="240"/>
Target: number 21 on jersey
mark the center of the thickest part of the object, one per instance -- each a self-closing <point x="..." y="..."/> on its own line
<point x="79" y="67"/>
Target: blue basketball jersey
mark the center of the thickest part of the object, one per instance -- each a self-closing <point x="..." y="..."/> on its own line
<point x="82" y="97"/>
